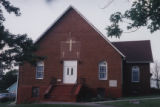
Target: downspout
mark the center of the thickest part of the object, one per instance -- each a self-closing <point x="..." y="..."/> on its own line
<point x="122" y="73"/>
<point x="17" y="86"/>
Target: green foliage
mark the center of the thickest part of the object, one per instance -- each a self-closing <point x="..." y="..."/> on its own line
<point x="142" y="13"/>
<point x="16" y="48"/>
<point x="8" y="79"/>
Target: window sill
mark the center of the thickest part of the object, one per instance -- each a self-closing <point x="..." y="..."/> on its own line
<point x="103" y="79"/>
<point x="39" y="78"/>
<point x="135" y="81"/>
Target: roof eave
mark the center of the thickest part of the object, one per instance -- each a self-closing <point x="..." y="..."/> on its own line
<point x="139" y="61"/>
<point x="52" y="24"/>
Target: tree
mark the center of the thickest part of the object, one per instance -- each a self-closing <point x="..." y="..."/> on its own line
<point x="8" y="79"/>
<point x="143" y="13"/>
<point x="14" y="49"/>
<point x="156" y="73"/>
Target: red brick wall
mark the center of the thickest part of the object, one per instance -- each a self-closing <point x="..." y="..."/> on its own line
<point x="140" y="88"/>
<point x="93" y="49"/>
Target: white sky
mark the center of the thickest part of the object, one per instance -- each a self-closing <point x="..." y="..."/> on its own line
<point x="37" y="16"/>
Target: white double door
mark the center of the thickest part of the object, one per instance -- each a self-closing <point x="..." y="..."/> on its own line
<point x="70" y="72"/>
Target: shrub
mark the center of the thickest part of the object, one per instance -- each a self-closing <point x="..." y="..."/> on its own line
<point x="155" y="91"/>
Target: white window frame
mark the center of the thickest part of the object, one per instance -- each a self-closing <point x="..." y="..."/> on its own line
<point x="40" y="63"/>
<point x="102" y="64"/>
<point x="136" y="69"/>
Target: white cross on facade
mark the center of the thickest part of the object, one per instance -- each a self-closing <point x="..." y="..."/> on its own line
<point x="70" y="44"/>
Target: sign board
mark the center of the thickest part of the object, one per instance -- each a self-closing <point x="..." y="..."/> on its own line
<point x="112" y="83"/>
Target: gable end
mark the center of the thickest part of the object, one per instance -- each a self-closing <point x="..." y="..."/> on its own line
<point x="63" y="14"/>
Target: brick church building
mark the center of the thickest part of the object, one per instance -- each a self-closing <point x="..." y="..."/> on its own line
<point x="81" y="63"/>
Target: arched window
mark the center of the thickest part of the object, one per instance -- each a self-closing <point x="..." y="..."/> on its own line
<point x="40" y="70"/>
<point x="135" y="74"/>
<point x="103" y="69"/>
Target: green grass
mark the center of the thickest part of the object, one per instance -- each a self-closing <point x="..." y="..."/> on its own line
<point x="4" y="104"/>
<point x="143" y="103"/>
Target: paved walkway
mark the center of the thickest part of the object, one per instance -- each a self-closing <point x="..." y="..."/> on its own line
<point x="152" y="98"/>
<point x="100" y="103"/>
<point x="83" y="104"/>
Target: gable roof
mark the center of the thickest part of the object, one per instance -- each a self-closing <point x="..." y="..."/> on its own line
<point x="136" y="51"/>
<point x="65" y="12"/>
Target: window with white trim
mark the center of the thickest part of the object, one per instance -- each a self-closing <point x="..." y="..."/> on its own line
<point x="135" y="74"/>
<point x="40" y="70"/>
<point x="102" y="66"/>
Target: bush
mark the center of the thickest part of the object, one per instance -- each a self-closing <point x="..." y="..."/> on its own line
<point x="85" y="94"/>
<point x="155" y="91"/>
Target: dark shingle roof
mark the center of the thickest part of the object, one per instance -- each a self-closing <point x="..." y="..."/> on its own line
<point x="135" y="51"/>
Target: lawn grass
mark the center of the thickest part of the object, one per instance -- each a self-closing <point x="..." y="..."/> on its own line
<point x="143" y="103"/>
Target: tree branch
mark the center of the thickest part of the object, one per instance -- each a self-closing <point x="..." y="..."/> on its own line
<point x="132" y="30"/>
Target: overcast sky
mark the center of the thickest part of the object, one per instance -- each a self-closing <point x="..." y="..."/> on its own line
<point x="37" y="16"/>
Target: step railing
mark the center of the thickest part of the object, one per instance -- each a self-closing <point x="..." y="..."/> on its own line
<point x="48" y="91"/>
<point x="77" y="90"/>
